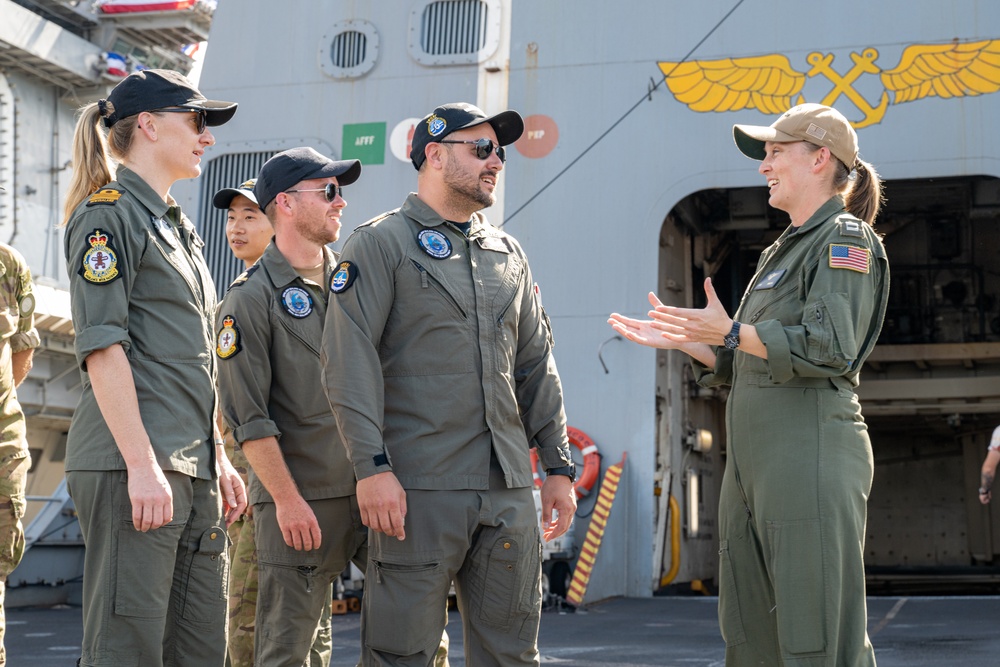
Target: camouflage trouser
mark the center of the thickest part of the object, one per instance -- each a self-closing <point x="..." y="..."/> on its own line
<point x="242" y="576"/>
<point x="13" y="477"/>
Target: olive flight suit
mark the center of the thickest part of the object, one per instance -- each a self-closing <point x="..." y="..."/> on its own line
<point x="437" y="362"/>
<point x="792" y="510"/>
<point x="138" y="279"/>
<point x="269" y="328"/>
<point x="17" y="333"/>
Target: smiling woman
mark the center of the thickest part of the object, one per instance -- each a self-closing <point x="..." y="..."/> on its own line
<point x="144" y="461"/>
<point x="792" y="509"/>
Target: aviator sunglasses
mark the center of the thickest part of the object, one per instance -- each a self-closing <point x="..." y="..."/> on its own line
<point x="483" y="147"/>
<point x="202" y="122"/>
<point x="331" y="191"/>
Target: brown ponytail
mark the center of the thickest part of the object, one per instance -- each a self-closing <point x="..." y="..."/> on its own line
<point x="865" y="197"/>
<point x="93" y="153"/>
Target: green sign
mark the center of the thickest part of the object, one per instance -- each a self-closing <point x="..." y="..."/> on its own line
<point x="365" y="142"/>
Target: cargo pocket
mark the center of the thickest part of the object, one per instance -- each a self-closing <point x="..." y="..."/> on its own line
<point x="205" y="597"/>
<point x="142" y="556"/>
<point x="799" y="588"/>
<point x="400" y="607"/>
<point x="500" y="584"/>
<point x="730" y="618"/>
<point x="531" y="597"/>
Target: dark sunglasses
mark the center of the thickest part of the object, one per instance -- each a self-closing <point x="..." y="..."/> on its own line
<point x="483" y="147"/>
<point x="331" y="191"/>
<point x="202" y="115"/>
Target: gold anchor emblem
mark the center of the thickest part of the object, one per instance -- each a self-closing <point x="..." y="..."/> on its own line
<point x="770" y="83"/>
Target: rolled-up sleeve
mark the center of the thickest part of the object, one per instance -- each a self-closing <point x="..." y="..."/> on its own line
<point x="245" y="375"/>
<point x="101" y="309"/>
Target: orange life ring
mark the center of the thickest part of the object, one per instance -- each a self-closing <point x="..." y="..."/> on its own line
<point x="585" y="478"/>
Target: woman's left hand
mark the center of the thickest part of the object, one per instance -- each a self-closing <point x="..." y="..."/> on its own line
<point x="707" y="325"/>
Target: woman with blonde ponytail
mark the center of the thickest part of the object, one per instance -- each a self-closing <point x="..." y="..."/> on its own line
<point x="799" y="467"/>
<point x="144" y="462"/>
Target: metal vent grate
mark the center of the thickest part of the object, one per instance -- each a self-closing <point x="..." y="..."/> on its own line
<point x="450" y="27"/>
<point x="226" y="171"/>
<point x="348" y="49"/>
<point x="454" y="32"/>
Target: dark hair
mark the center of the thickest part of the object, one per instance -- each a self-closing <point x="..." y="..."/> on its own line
<point x="863" y="195"/>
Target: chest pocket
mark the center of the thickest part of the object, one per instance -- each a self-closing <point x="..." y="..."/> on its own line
<point x="428" y="281"/>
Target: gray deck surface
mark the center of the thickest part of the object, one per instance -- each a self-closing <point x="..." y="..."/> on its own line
<point x="662" y="631"/>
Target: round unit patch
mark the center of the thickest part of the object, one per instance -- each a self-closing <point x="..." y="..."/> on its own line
<point x="100" y="259"/>
<point x="434" y="243"/>
<point x="27" y="305"/>
<point x="435" y="125"/>
<point x="343" y="277"/>
<point x="297" y="302"/>
<point x="227" y="343"/>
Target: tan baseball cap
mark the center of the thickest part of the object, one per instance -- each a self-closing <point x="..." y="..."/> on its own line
<point x="815" y="123"/>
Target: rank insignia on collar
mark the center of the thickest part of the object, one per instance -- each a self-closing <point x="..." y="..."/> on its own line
<point x="770" y="280"/>
<point x="343" y="277"/>
<point x="434" y="243"/>
<point x="297" y="302"/>
<point x="100" y="259"/>
<point x="227" y="343"/>
<point x="105" y="196"/>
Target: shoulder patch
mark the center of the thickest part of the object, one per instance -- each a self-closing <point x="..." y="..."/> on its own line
<point x="99" y="264"/>
<point x="848" y="257"/>
<point x="850" y="227"/>
<point x="105" y="196"/>
<point x="227" y="343"/>
<point x="343" y="277"/>
<point x="243" y="277"/>
<point x="26" y="306"/>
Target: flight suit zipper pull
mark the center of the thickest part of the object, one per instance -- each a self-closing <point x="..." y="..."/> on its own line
<point x="308" y="571"/>
<point x="378" y="572"/>
<point x="423" y="275"/>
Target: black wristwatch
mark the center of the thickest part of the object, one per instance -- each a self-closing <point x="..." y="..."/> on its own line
<point x="568" y="471"/>
<point x="732" y="339"/>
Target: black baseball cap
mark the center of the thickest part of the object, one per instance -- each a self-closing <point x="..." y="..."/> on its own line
<point x="224" y="197"/>
<point x="287" y="168"/>
<point x="448" y="118"/>
<point x="151" y="89"/>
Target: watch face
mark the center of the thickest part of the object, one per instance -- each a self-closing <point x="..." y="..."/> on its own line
<point x="731" y="342"/>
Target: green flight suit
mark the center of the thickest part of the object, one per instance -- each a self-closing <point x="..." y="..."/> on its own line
<point x="269" y="327"/>
<point x="438" y="365"/>
<point x="138" y="279"/>
<point x="792" y="509"/>
<point x="17" y="333"/>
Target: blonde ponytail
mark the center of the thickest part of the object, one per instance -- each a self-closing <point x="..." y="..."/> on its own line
<point x="94" y="153"/>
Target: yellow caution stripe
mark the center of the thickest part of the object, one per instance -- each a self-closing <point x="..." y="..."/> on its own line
<point x="595" y="533"/>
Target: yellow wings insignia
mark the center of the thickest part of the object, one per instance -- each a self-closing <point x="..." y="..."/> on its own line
<point x="945" y="70"/>
<point x="766" y="83"/>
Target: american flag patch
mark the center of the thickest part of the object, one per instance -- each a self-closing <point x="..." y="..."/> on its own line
<point x="848" y="257"/>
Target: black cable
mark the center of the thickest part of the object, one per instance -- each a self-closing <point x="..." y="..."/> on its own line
<point x="647" y="95"/>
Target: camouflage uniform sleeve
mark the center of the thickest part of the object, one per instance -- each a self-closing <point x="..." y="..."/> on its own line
<point x="103" y="253"/>
<point x="361" y="298"/>
<point x="243" y="343"/>
<point x="538" y="387"/>
<point x="26" y="335"/>
<point x="840" y="308"/>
